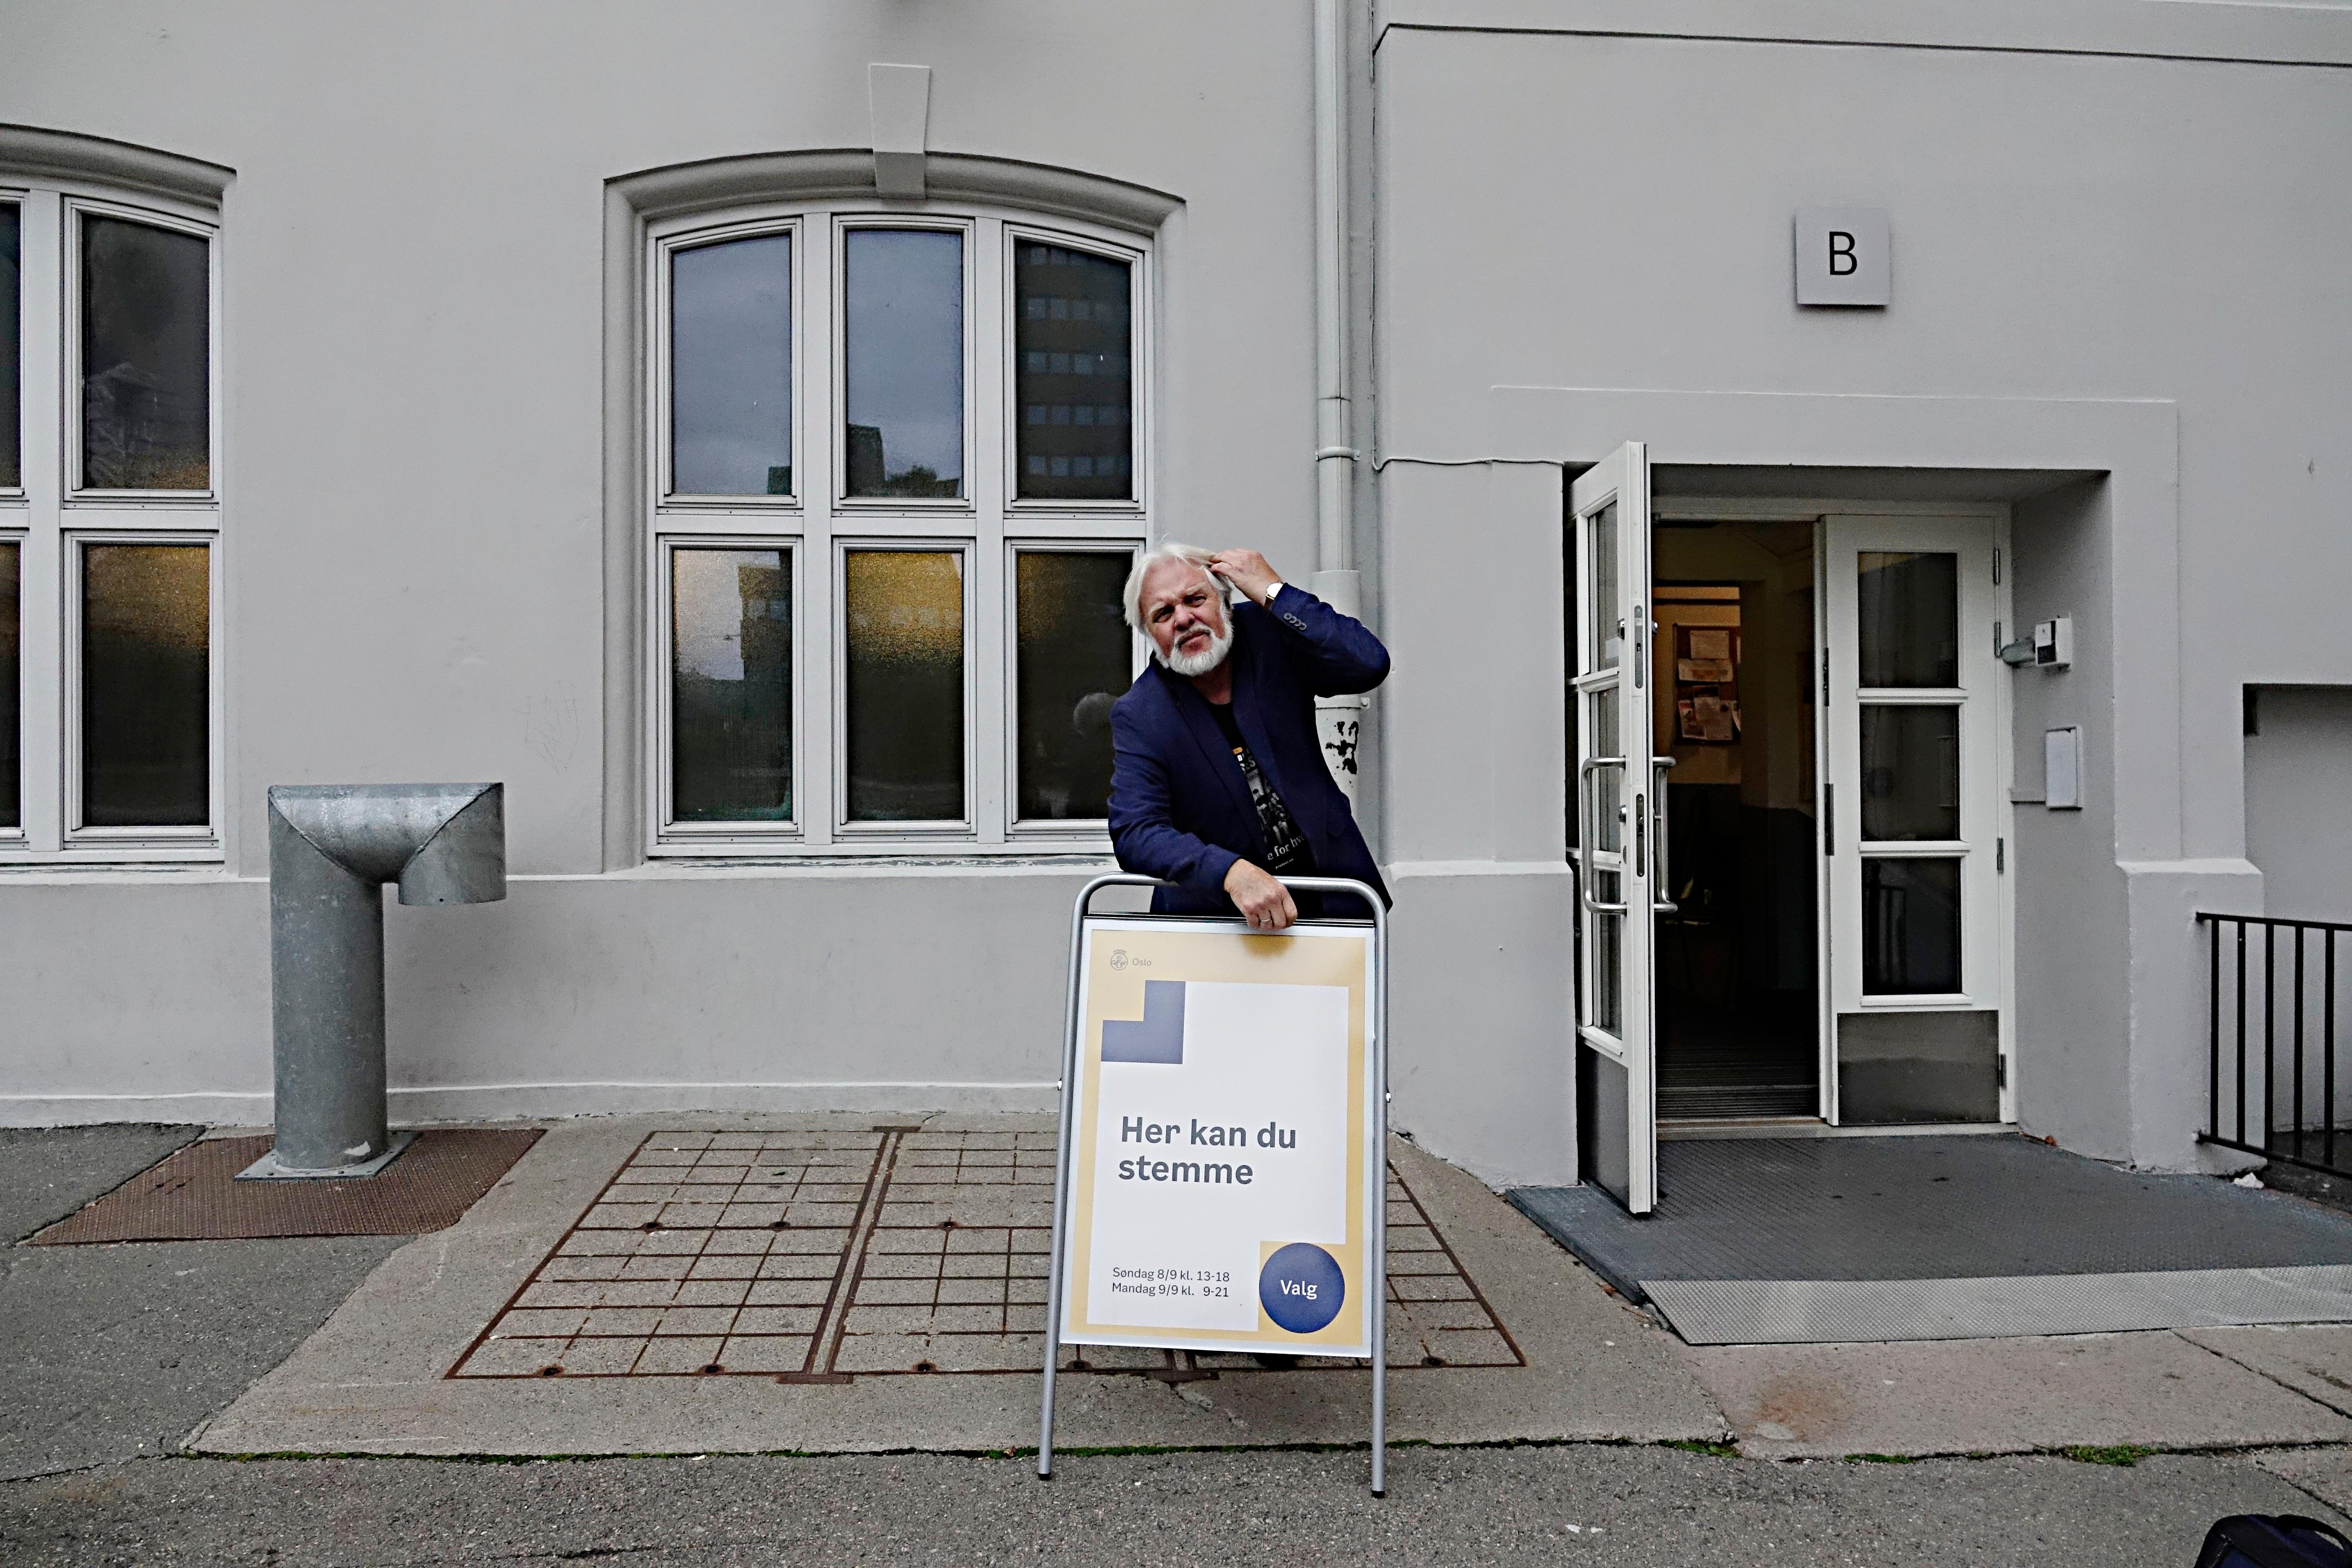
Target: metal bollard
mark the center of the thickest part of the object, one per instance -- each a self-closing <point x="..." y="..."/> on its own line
<point x="332" y="849"/>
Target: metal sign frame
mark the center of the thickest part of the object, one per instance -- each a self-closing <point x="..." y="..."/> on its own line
<point x="1376" y="1132"/>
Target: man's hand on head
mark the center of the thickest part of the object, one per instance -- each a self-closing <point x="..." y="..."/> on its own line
<point x="1246" y="570"/>
<point x="1264" y="901"/>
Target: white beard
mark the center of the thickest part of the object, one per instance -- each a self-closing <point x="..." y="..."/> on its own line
<point x="1208" y="658"/>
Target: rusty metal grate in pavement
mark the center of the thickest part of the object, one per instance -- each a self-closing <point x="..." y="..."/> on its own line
<point x="816" y="1256"/>
<point x="193" y="1195"/>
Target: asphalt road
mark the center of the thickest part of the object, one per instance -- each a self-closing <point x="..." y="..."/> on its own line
<point x="1499" y="1505"/>
<point x="114" y="1351"/>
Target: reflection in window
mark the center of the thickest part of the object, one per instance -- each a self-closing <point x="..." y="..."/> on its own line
<point x="1606" y="786"/>
<point x="1073" y="375"/>
<point x="1074" y="658"/>
<point x="731" y="368"/>
<point x="12" y="686"/>
<point x="1910" y="772"/>
<point x="1608" y="956"/>
<point x="902" y="303"/>
<point x="1909" y="618"/>
<point x="731" y="686"/>
<point x="146" y="357"/>
<point x="1608" y="635"/>
<point x="1910" y="926"/>
<point x="12" y="344"/>
<point x="146" y="678"/>
<point x="904" y="685"/>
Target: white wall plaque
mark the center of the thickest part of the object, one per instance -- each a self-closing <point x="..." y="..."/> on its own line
<point x="2062" y="769"/>
<point x="1842" y="256"/>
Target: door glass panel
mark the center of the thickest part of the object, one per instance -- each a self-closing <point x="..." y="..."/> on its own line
<point x="903" y="733"/>
<point x="731" y="686"/>
<point x="1071" y="378"/>
<point x="730" y="353"/>
<point x="12" y="338"/>
<point x="1608" y="956"/>
<point x="1601" y="604"/>
<point x="146" y="357"/>
<point x="1607" y="784"/>
<point x="1074" y="655"/>
<point x="146" y="686"/>
<point x="1910" y="926"/>
<point x="902" y="305"/>
<point x="1909" y="618"/>
<point x="1910" y="772"/>
<point x="12" y="770"/>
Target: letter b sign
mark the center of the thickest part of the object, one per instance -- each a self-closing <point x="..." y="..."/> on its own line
<point x="1842" y="256"/>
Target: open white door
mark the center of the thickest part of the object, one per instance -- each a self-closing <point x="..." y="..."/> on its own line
<point x="1619" y="822"/>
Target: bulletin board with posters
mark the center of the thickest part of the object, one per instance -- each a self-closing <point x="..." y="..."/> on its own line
<point x="1221" y="1176"/>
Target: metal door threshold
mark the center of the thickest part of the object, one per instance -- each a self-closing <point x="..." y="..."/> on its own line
<point x="1814" y="1127"/>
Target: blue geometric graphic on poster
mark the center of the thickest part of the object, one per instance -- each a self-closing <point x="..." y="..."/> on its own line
<point x="1158" y="1037"/>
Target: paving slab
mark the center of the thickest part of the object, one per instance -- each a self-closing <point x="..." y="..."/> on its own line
<point x="375" y="1378"/>
<point x="1993" y="1397"/>
<point x="1460" y="1507"/>
<point x="48" y="1172"/>
<point x="2314" y="1361"/>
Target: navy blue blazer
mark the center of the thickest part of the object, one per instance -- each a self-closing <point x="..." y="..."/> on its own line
<point x="1178" y="807"/>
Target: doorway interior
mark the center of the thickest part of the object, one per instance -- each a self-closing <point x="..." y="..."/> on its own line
<point x="1732" y="689"/>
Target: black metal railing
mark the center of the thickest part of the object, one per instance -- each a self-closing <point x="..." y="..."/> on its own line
<point x="2282" y="1104"/>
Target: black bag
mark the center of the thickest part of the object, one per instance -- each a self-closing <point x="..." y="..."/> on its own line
<point x="2273" y="1540"/>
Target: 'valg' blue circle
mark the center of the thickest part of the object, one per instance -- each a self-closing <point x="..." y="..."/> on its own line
<point x="1300" y="1287"/>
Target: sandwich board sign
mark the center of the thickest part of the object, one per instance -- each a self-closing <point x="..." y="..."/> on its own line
<point x="1222" y="1176"/>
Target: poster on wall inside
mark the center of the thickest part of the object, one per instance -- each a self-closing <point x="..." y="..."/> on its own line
<point x="1220" y="1188"/>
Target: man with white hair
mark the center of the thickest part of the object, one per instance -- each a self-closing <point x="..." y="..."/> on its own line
<point x="1218" y="784"/>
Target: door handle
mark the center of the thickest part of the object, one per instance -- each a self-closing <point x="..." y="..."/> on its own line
<point x="1588" y="826"/>
<point x="1662" y="900"/>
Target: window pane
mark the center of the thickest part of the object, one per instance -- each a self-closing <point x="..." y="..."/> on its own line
<point x="1910" y="772"/>
<point x="902" y="297"/>
<point x="1605" y="784"/>
<point x="904" y="728"/>
<point x="1074" y="656"/>
<point x="12" y="341"/>
<point x="1910" y="926"/>
<point x="1608" y="956"/>
<point x="146" y="666"/>
<point x="1600" y="607"/>
<point x="730" y="686"/>
<point x="146" y="358"/>
<point x="1910" y="619"/>
<point x="1073" y="380"/>
<point x="12" y="768"/>
<point x="730" y="331"/>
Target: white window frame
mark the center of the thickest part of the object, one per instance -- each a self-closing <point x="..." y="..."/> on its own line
<point x="53" y="517"/>
<point x="820" y="525"/>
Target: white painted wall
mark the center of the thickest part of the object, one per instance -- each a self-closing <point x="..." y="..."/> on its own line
<point x="2072" y="232"/>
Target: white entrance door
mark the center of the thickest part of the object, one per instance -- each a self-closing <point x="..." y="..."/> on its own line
<point x="1619" y="818"/>
<point x="1915" y="821"/>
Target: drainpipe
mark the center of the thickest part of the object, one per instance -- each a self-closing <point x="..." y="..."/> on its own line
<point x="332" y="849"/>
<point x="1338" y="719"/>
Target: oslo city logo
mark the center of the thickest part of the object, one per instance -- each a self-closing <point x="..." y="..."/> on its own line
<point x="1301" y="1288"/>
<point x="1118" y="958"/>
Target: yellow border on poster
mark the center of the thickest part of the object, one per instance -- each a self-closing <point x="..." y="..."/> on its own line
<point x="1111" y="977"/>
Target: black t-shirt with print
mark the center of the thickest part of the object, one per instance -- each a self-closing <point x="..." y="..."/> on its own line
<point x="1288" y="851"/>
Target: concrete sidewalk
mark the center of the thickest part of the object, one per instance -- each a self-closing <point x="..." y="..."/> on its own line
<point x="374" y="1380"/>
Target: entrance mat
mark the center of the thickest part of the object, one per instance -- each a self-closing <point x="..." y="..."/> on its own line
<point x="193" y="1195"/>
<point x="1841" y="1312"/>
<point x="1923" y="1208"/>
<point x="820" y="1257"/>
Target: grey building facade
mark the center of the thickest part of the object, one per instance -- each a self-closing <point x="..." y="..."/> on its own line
<point x="729" y="437"/>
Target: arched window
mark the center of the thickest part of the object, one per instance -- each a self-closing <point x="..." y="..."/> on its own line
<point x="895" y="463"/>
<point x="110" y="502"/>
